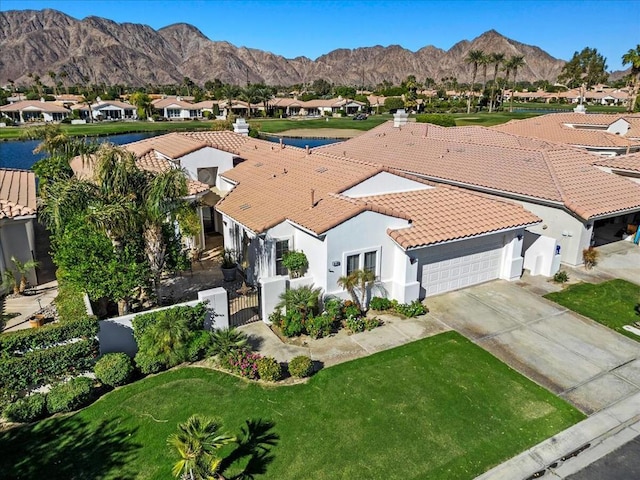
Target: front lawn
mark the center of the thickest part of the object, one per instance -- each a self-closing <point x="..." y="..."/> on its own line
<point x="610" y="303"/>
<point x="438" y="408"/>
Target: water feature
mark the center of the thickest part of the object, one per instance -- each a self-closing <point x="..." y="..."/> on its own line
<point x="303" y="142"/>
<point x="19" y="153"/>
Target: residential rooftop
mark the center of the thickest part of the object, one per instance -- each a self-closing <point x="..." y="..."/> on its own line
<point x="17" y="193"/>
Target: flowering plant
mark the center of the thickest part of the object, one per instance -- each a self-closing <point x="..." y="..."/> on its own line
<point x="243" y="363"/>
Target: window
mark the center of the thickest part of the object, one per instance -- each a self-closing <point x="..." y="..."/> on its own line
<point x="353" y="263"/>
<point x="365" y="260"/>
<point x="282" y="247"/>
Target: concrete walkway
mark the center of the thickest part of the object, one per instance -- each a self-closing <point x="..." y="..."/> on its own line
<point x="26" y="305"/>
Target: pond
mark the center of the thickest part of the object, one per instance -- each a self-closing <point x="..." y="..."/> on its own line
<point x="19" y="154"/>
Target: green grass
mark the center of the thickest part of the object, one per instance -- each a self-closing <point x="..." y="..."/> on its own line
<point x="568" y="107"/>
<point x="610" y="303"/>
<point x="438" y="408"/>
<point x="277" y="125"/>
<point x="487" y="119"/>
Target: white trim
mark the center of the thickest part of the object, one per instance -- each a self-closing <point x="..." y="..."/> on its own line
<point x="494" y="232"/>
<point x="361" y="252"/>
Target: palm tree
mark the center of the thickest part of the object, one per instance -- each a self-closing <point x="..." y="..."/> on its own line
<point x="197" y="442"/>
<point x="303" y="300"/>
<point x="264" y="94"/>
<point x="357" y="280"/>
<point x="52" y="74"/>
<point x="496" y="59"/>
<point x="474" y="57"/>
<point x="484" y="62"/>
<point x="515" y="62"/>
<point x="63" y="75"/>
<point x="22" y="268"/>
<point x="633" y="57"/>
<point x="229" y="93"/>
<point x="249" y="95"/>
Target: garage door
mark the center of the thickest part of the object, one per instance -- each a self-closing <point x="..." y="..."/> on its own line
<point x="462" y="271"/>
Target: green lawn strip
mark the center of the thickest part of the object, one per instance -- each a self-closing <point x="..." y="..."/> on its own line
<point x="610" y="303"/>
<point x="551" y="107"/>
<point x="277" y="125"/>
<point x="489" y="119"/>
<point x="438" y="408"/>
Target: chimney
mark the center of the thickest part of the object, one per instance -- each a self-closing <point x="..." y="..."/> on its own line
<point x="241" y="126"/>
<point x="580" y="109"/>
<point x="313" y="198"/>
<point x="306" y="147"/>
<point x="281" y="144"/>
<point x="400" y="118"/>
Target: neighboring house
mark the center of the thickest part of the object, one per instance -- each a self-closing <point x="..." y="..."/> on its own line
<point x="34" y="111"/>
<point x="580" y="205"/>
<point x="17" y="214"/>
<point x="176" y="108"/>
<point x="313" y="108"/>
<point x="419" y="238"/>
<point x="603" y="134"/>
<point x="107" y="110"/>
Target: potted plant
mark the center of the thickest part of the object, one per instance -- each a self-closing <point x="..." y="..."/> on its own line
<point x="228" y="265"/>
<point x="296" y="263"/>
<point x="37" y="320"/>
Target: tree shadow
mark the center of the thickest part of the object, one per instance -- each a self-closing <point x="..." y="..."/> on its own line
<point x="252" y="455"/>
<point x="68" y="448"/>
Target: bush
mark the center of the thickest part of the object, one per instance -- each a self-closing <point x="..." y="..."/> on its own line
<point x="269" y="369"/>
<point x="590" y="257"/>
<point x="193" y="316"/>
<point x="561" y="277"/>
<point x="69" y="396"/>
<point x="333" y="306"/>
<point x="200" y="346"/>
<point x="320" y="326"/>
<point x="412" y="309"/>
<point x="350" y="310"/>
<point x="28" y="409"/>
<point x="296" y="263"/>
<point x="114" y="369"/>
<point x="243" y="363"/>
<point x="24" y="340"/>
<point x="44" y="366"/>
<point x="291" y="324"/>
<point x="303" y="300"/>
<point x="442" y="120"/>
<point x="70" y="303"/>
<point x="226" y="340"/>
<point x="380" y="303"/>
<point x="300" y="366"/>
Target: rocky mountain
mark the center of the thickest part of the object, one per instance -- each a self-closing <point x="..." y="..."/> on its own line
<point x="98" y="50"/>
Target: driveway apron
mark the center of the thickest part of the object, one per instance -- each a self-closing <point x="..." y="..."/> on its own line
<point x="580" y="360"/>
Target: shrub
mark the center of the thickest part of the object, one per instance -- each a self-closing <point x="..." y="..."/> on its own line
<point x="200" y="346"/>
<point x="561" y="277"/>
<point x="350" y="310"/>
<point x="226" y="340"/>
<point x="193" y="317"/>
<point x="355" y="324"/>
<point x="243" y="363"/>
<point x="435" y="119"/>
<point x="28" y="409"/>
<point x="371" y="323"/>
<point x="292" y="324"/>
<point x="44" y="366"/>
<point x="590" y="257"/>
<point x="412" y="309"/>
<point x="320" y="326"/>
<point x="114" y="369"/>
<point x="300" y="366"/>
<point x="69" y="396"/>
<point x="70" y="303"/>
<point x="269" y="369"/>
<point x="47" y="336"/>
<point x="303" y="300"/>
<point x="380" y="303"/>
<point x="296" y="263"/>
<point x="333" y="307"/>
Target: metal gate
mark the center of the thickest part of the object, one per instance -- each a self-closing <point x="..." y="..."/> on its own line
<point x="244" y="303"/>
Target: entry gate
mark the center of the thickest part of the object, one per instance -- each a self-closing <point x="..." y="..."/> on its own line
<point x="244" y="302"/>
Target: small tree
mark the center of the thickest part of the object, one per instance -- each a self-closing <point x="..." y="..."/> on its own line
<point x="296" y="263"/>
<point x="21" y="268"/>
<point x="358" y="280"/>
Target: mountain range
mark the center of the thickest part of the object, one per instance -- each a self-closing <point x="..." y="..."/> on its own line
<point x="97" y="50"/>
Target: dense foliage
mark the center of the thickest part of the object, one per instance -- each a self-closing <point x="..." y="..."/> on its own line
<point x="300" y="366"/>
<point x="269" y="369"/>
<point x="435" y="119"/>
<point x="70" y="303"/>
<point x="114" y="369"/>
<point x="27" y="409"/>
<point x="69" y="396"/>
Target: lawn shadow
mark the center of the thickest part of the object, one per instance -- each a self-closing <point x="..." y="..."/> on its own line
<point x="67" y="448"/>
<point x="252" y="455"/>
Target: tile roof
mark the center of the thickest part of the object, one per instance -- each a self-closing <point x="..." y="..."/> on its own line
<point x="17" y="193"/>
<point x="172" y="145"/>
<point x="167" y="102"/>
<point x="489" y="160"/>
<point x="629" y="162"/>
<point x="558" y="127"/>
<point x="34" y="105"/>
<point x="448" y="213"/>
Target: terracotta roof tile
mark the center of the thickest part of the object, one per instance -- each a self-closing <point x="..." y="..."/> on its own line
<point x="34" y="105"/>
<point x="493" y="161"/>
<point x="172" y="145"/>
<point x="629" y="162"/>
<point x="17" y="193"/>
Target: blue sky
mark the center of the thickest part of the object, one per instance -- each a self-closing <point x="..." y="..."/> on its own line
<point x="311" y="28"/>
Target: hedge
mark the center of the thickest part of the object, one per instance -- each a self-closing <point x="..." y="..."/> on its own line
<point x="44" y="366"/>
<point x="70" y="303"/>
<point x="70" y="396"/>
<point x="435" y="119"/>
<point x="26" y="409"/>
<point x="195" y="317"/>
<point x="48" y="336"/>
<point x="114" y="369"/>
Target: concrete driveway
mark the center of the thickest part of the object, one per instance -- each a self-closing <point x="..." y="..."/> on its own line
<point x="620" y="260"/>
<point x="580" y="360"/>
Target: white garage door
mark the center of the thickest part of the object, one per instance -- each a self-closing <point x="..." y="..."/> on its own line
<point x="462" y="271"/>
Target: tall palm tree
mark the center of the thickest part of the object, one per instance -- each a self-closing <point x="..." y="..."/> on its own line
<point x="633" y="57"/>
<point x="474" y="57"/>
<point x="229" y="93"/>
<point x="52" y="75"/>
<point x="496" y="59"/>
<point x="264" y="95"/>
<point x="515" y="62"/>
<point x="249" y="95"/>
<point x="197" y="442"/>
<point x="484" y="63"/>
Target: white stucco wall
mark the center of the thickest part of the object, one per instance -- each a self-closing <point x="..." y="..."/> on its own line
<point x="208" y="157"/>
<point x="17" y="239"/>
<point x="619" y="127"/>
<point x="384" y="182"/>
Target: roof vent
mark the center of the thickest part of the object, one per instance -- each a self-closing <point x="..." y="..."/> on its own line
<point x="259" y="164"/>
<point x="321" y="169"/>
<point x="245" y="206"/>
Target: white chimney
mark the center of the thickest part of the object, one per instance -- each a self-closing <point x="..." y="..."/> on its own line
<point x="580" y="109"/>
<point x="241" y="126"/>
<point x="400" y="118"/>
